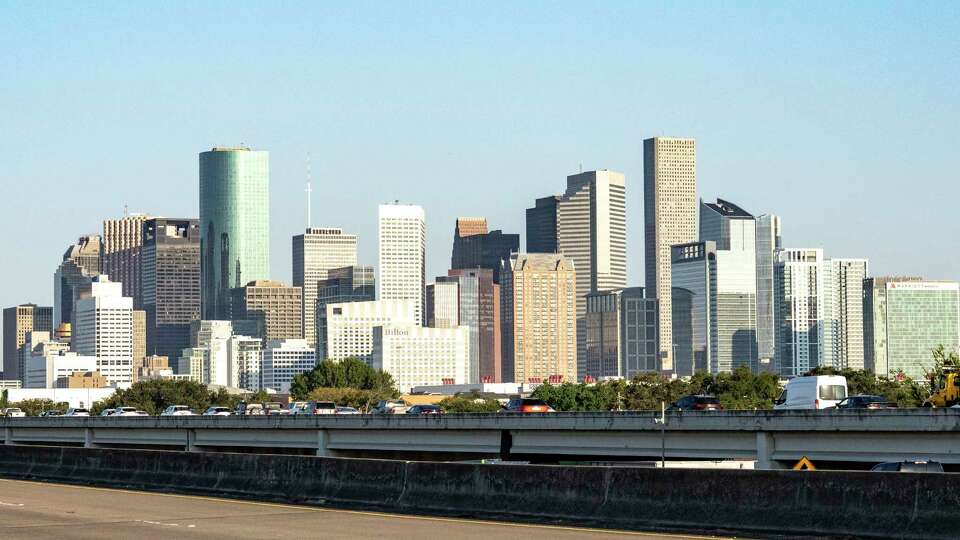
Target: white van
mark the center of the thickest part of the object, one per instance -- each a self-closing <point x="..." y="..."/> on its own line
<point x="818" y="392"/>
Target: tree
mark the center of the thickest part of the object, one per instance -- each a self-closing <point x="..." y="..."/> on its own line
<point x="155" y="395"/>
<point x="349" y="373"/>
<point x="470" y="403"/>
<point x="33" y="407"/>
<point x="363" y="400"/>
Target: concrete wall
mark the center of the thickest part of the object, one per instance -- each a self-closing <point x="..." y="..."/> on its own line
<point x="746" y="502"/>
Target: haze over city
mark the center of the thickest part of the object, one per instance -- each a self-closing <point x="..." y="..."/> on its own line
<point x="837" y="117"/>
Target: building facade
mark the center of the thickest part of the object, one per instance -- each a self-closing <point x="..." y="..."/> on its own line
<point x="234" y="224"/>
<point x="843" y="325"/>
<point x="122" y="250"/>
<point x="348" y="327"/>
<point x="245" y="363"/>
<point x="47" y="370"/>
<point x="18" y="322"/>
<point x="799" y="304"/>
<point x="170" y="283"/>
<point x="621" y="334"/>
<point x="315" y="253"/>
<point x="905" y="320"/>
<point x="542" y="225"/>
<point x="538" y="314"/>
<point x="670" y="218"/>
<point x="81" y="263"/>
<point x="276" y="307"/>
<point x="105" y="330"/>
<point x="417" y="356"/>
<point x="480" y="311"/>
<point x="284" y="359"/>
<point x="442" y="304"/>
<point x="475" y="247"/>
<point x="769" y="241"/>
<point x="402" y="232"/>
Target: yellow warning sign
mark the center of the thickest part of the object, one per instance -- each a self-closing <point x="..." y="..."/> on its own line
<point x="804" y="465"/>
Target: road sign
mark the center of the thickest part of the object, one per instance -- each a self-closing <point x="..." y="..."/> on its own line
<point x="804" y="465"/>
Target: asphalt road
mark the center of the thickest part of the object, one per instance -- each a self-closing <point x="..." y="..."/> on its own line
<point x="32" y="510"/>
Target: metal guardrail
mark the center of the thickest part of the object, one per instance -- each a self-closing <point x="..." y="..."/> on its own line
<point x="773" y="438"/>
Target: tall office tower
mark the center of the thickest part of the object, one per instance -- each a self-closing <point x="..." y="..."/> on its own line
<point x="768" y="242"/>
<point x="170" y="283"/>
<point x="474" y="247"/>
<point x="276" y="307"/>
<point x="245" y="363"/>
<point x="480" y="311"/>
<point x="402" y="255"/>
<point x="122" y="249"/>
<point x="419" y="356"/>
<point x="734" y="338"/>
<point x="694" y="278"/>
<point x="591" y="230"/>
<point x="538" y="314"/>
<point x="105" y="329"/>
<point x="18" y="322"/>
<point x="284" y="359"/>
<point x="138" y="318"/>
<point x="349" y="326"/>
<point x="799" y="310"/>
<point x="234" y="224"/>
<point x="669" y="218"/>
<point x="81" y="262"/>
<point x="621" y="333"/>
<point x="542" y="225"/>
<point x="442" y="304"/>
<point x="905" y="319"/>
<point x="346" y="284"/>
<point x="315" y="253"/>
<point x="843" y="301"/>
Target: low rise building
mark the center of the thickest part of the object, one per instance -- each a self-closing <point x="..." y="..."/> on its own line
<point x="283" y="360"/>
<point x="48" y="370"/>
<point x="347" y="328"/>
<point x="83" y="379"/>
<point x="417" y="356"/>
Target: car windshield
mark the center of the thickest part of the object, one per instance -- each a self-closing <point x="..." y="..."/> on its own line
<point x="833" y="391"/>
<point x="873" y="399"/>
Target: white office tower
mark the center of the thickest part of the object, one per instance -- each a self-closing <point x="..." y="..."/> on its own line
<point x="245" y="366"/>
<point x="315" y="253"/>
<point x="592" y="232"/>
<point x="402" y="270"/>
<point x="349" y="326"/>
<point x="282" y="359"/>
<point x="799" y="315"/>
<point x="419" y="356"/>
<point x="669" y="219"/>
<point x="843" y="304"/>
<point x="769" y="240"/>
<point x="734" y="308"/>
<point x="105" y="330"/>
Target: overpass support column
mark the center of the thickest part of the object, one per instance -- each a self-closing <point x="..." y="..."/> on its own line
<point x="88" y="438"/>
<point x="192" y="441"/>
<point x="7" y="436"/>
<point x="765" y="448"/>
<point x="323" y="443"/>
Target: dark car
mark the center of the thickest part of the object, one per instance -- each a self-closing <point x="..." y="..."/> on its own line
<point x="696" y="403"/>
<point x="864" y="402"/>
<point x="909" y="466"/>
<point x="528" y="405"/>
<point x="424" y="409"/>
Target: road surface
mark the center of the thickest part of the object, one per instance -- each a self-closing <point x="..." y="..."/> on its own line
<point x="32" y="510"/>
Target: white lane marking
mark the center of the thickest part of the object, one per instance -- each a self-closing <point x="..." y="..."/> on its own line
<point x="158" y="523"/>
<point x="10" y="504"/>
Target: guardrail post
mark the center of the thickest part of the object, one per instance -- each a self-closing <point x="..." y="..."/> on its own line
<point x="88" y="438"/>
<point x="7" y="436"/>
<point x="765" y="448"/>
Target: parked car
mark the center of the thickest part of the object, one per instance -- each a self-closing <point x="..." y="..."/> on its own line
<point x="425" y="409"/>
<point x="318" y="407"/>
<point x="77" y="411"/>
<point x="814" y="392"/>
<point x="347" y="410"/>
<point x="107" y="412"/>
<point x="696" y="403"/>
<point x="51" y="412"/>
<point x="275" y="409"/>
<point x="909" y="466"/>
<point x="125" y="411"/>
<point x="864" y="402"/>
<point x="249" y="409"/>
<point x="391" y="406"/>
<point x="217" y="411"/>
<point x="12" y="412"/>
<point x="177" y="410"/>
<point x="528" y="405"/>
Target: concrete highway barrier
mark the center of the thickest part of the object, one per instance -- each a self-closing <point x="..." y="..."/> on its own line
<point x="820" y="503"/>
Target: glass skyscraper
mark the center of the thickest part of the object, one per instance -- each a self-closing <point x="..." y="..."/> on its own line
<point x="234" y="224"/>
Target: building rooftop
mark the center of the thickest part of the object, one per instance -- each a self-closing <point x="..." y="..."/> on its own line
<point x="728" y="209"/>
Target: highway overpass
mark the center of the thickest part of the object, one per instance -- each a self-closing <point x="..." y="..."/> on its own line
<point x="775" y="439"/>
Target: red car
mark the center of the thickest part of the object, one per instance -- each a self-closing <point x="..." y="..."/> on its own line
<point x="528" y="405"/>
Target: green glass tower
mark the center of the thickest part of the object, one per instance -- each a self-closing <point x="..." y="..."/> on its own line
<point x="234" y="224"/>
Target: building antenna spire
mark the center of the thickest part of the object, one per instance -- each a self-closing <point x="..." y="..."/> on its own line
<point x="309" y="190"/>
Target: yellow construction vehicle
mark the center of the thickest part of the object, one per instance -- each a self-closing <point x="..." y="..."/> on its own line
<point x="944" y="388"/>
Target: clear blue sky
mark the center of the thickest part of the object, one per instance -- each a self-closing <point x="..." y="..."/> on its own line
<point x="841" y="117"/>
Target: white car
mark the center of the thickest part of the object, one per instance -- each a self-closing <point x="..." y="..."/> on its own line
<point x="107" y="412"/>
<point x="217" y="411"/>
<point x="347" y="410"/>
<point x="177" y="410"/>
<point x="77" y="411"/>
<point x="13" y="412"/>
<point x="126" y="411"/>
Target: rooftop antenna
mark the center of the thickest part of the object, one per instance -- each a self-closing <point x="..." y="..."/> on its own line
<point x="126" y="211"/>
<point x="581" y="167"/>
<point x="309" y="190"/>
